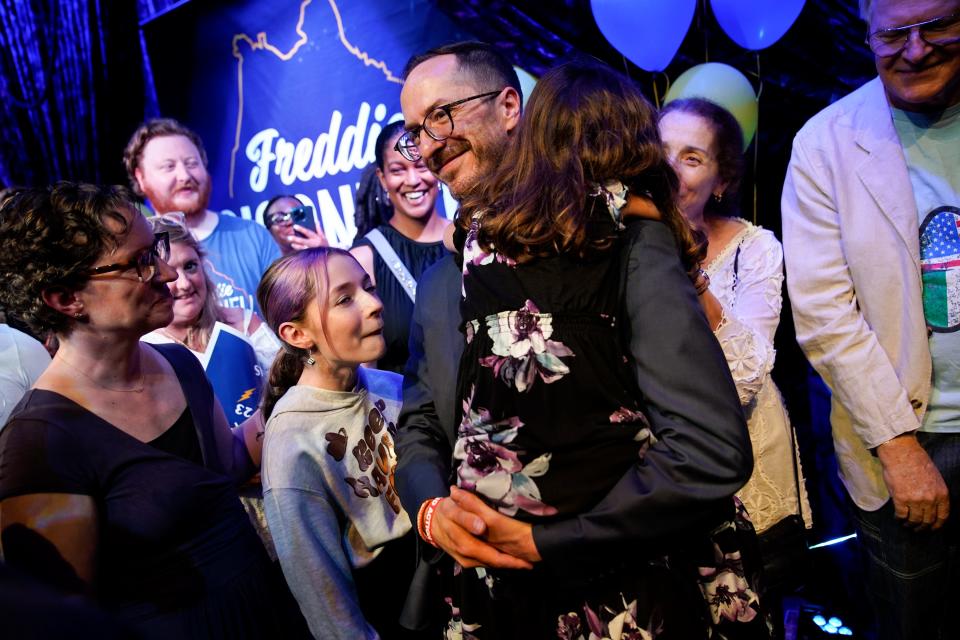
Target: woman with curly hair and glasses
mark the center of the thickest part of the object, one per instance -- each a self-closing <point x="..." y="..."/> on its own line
<point x="119" y="468"/>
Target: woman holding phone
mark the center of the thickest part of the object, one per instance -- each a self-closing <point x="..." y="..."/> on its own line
<point x="292" y="224"/>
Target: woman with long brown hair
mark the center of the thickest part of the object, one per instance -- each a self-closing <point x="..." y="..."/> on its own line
<point x="553" y="421"/>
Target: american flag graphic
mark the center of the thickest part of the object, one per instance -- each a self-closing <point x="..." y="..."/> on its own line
<point x="940" y="264"/>
<point x="940" y="240"/>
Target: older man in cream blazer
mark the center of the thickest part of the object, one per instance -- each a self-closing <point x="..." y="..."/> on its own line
<point x="856" y="186"/>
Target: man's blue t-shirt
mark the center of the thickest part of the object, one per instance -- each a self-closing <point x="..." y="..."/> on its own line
<point x="238" y="252"/>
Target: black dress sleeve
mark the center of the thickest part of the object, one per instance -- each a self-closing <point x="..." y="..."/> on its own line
<point x="703" y="456"/>
<point x="39" y="456"/>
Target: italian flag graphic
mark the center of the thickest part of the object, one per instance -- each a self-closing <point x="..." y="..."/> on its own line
<point x="940" y="265"/>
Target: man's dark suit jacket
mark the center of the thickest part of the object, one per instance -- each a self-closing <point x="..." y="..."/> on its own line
<point x="685" y="481"/>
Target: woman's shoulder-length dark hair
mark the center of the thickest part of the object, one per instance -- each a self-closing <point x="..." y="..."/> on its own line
<point x="51" y="237"/>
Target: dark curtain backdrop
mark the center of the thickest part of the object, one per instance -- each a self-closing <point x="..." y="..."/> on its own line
<point x="72" y="89"/>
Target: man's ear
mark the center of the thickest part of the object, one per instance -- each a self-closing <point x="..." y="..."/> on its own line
<point x="510" y="107"/>
<point x="138" y="176"/>
<point x="64" y="300"/>
<point x="295" y="336"/>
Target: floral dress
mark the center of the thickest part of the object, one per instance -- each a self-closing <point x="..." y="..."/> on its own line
<point x="550" y="421"/>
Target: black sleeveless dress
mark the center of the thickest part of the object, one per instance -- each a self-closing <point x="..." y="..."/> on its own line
<point x="177" y="556"/>
<point x="397" y="306"/>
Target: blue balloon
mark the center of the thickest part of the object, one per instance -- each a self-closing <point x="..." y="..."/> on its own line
<point x="756" y="24"/>
<point x="648" y="32"/>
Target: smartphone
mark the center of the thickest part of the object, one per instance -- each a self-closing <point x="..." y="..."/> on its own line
<point x="303" y="216"/>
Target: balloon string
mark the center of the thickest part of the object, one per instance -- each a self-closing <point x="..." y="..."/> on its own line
<point x="703" y="28"/>
<point x="756" y="142"/>
<point x="656" y="94"/>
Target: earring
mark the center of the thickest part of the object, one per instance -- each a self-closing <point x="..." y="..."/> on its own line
<point x="78" y="315"/>
<point x="718" y="197"/>
<point x="310" y="361"/>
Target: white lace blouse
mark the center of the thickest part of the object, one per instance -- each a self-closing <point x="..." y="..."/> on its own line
<point x="747" y="277"/>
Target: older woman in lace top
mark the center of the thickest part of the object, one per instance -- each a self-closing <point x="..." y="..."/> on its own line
<point x="745" y="266"/>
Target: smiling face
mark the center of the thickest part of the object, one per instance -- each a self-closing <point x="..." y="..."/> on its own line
<point x="172" y="175"/>
<point x="351" y="330"/>
<point x="189" y="290"/>
<point x="281" y="231"/>
<point x="921" y="77"/>
<point x="688" y="140"/>
<point x="117" y="301"/>
<point x="481" y="127"/>
<point x="411" y="186"/>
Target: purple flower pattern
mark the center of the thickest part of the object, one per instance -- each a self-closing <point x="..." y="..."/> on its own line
<point x="457" y="629"/>
<point x="522" y="348"/>
<point x="607" y="624"/>
<point x="726" y="589"/>
<point x="490" y="468"/>
<point x="473" y="254"/>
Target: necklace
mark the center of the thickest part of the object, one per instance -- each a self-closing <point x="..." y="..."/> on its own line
<point x="137" y="388"/>
<point x="183" y="342"/>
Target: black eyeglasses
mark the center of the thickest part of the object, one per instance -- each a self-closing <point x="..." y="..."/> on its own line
<point x="298" y="215"/>
<point x="147" y="263"/>
<point x="937" y="32"/>
<point x="438" y="124"/>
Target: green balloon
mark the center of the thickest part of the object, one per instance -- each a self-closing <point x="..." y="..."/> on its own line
<point x="724" y="85"/>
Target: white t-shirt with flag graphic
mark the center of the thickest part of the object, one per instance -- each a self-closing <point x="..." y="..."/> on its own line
<point x="931" y="144"/>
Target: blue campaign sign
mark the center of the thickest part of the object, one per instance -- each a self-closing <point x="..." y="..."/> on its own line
<point x="289" y="97"/>
<point x="236" y="376"/>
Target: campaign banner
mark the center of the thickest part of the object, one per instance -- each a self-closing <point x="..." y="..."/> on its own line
<point x="232" y="368"/>
<point x="289" y="97"/>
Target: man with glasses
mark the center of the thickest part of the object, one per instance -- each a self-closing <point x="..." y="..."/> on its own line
<point x="871" y="213"/>
<point x="459" y="114"/>
<point x="166" y="163"/>
<point x="461" y="104"/>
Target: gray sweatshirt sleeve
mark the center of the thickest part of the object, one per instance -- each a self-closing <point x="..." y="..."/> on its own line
<point x="308" y="541"/>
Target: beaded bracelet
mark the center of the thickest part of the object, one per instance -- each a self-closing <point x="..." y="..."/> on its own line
<point x="423" y="507"/>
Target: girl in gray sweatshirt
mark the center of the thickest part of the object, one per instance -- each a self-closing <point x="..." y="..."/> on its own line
<point x="328" y="453"/>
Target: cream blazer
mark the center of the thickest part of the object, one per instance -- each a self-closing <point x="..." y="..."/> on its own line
<point x="852" y="251"/>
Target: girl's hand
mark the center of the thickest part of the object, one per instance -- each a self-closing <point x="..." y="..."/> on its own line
<point x="640" y="207"/>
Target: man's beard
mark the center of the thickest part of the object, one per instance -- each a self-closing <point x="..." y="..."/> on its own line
<point x="484" y="153"/>
<point x="164" y="204"/>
